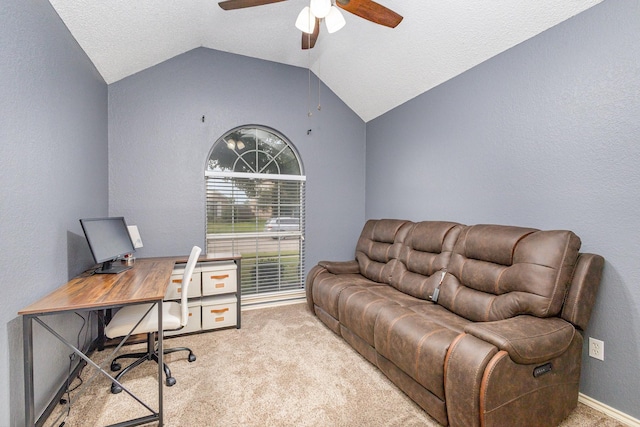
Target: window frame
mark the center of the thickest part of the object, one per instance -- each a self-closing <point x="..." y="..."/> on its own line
<point x="281" y="291"/>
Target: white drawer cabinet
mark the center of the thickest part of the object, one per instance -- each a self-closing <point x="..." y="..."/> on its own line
<point x="219" y="279"/>
<point x="214" y="294"/>
<point x="194" y="323"/>
<point x="174" y="290"/>
<point x="219" y="311"/>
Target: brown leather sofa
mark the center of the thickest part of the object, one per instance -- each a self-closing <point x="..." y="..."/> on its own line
<point x="479" y="325"/>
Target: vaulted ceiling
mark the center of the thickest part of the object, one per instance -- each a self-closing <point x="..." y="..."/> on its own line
<point x="372" y="68"/>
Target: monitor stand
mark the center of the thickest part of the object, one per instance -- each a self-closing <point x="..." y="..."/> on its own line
<point x="108" y="267"/>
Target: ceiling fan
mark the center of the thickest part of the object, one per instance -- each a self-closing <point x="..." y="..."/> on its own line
<point x="309" y="19"/>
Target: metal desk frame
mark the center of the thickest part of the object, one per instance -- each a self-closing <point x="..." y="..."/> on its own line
<point x="144" y="283"/>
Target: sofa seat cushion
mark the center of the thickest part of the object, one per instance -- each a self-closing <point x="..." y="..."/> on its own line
<point x="395" y="295"/>
<point x="358" y="307"/>
<point x="328" y="287"/>
<point x="440" y="315"/>
<point x="415" y="343"/>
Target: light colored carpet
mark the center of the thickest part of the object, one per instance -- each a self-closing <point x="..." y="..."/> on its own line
<point x="282" y="368"/>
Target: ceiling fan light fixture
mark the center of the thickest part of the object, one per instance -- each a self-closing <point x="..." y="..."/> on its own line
<point x="334" y="20"/>
<point x="320" y="8"/>
<point x="306" y="22"/>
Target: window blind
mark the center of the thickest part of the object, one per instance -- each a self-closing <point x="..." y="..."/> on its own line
<point x="262" y="218"/>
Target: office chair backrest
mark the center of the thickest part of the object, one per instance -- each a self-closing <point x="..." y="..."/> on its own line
<point x="186" y="280"/>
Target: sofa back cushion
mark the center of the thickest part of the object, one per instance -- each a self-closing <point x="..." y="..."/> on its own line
<point x="425" y="250"/>
<point x="379" y="243"/>
<point x="498" y="272"/>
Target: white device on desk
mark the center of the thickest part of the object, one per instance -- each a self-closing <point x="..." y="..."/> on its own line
<point x="129" y="259"/>
<point x="135" y="236"/>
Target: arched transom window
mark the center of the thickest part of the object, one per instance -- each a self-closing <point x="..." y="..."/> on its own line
<point x="255" y="191"/>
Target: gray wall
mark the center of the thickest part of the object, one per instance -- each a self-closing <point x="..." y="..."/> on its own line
<point x="53" y="169"/>
<point x="544" y="135"/>
<point x="158" y="147"/>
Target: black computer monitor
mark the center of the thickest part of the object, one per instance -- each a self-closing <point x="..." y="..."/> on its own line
<point x="108" y="239"/>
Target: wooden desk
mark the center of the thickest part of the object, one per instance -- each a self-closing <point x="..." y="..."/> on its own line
<point x="144" y="283"/>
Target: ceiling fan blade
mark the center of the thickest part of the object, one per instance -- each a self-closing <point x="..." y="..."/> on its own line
<point x="240" y="4"/>
<point x="371" y="11"/>
<point x="309" y="40"/>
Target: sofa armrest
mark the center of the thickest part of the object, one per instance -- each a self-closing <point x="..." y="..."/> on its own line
<point x="311" y="277"/>
<point x="464" y="367"/>
<point x="582" y="294"/>
<point x="341" y="267"/>
<point x="527" y="339"/>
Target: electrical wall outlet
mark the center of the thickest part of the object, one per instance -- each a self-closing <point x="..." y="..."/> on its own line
<point x="596" y="348"/>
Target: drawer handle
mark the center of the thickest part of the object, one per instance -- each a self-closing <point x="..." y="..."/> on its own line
<point x="224" y="276"/>
<point x="223" y="310"/>
<point x="180" y="280"/>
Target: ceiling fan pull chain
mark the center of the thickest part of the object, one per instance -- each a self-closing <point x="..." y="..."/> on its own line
<point x="319" y="106"/>
<point x="309" y="113"/>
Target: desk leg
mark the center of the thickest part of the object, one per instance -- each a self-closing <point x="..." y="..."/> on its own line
<point x="101" y="338"/>
<point x="160" y="363"/>
<point x="27" y="346"/>
<point x="238" y="292"/>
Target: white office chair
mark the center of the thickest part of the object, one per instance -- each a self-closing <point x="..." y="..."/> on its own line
<point x="174" y="317"/>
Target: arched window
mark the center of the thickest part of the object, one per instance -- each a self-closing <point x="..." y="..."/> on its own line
<point x="255" y="191"/>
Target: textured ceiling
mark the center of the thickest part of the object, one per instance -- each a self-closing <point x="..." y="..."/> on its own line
<point x="370" y="67"/>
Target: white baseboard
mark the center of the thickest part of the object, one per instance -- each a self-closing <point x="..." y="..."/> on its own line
<point x="609" y="411"/>
<point x="253" y="302"/>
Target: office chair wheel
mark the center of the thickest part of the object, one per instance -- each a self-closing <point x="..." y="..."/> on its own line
<point x="115" y="388"/>
<point x="192" y="357"/>
<point x="170" y="381"/>
<point x="115" y="366"/>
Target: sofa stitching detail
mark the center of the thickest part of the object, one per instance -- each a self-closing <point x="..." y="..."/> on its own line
<point x="366" y="309"/>
<point x="562" y="261"/>
<point x="572" y="302"/>
<point x="491" y="366"/>
<point x="392" y="324"/>
<point x="461" y="272"/>
<point x="419" y="347"/>
<point x="444" y="238"/>
<point x="511" y="342"/>
<point x="348" y="297"/>
<point x="535" y="390"/>
<point x="496" y="287"/>
<point x="515" y="246"/>
<point x="454" y="297"/>
<point x="477" y="387"/>
<point x="423" y="285"/>
<point x="447" y="357"/>
<point x="431" y="262"/>
<point x="489" y="307"/>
